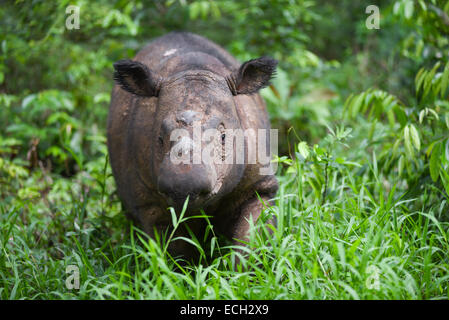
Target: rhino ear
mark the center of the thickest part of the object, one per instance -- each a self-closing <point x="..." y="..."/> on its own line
<point x="252" y="76"/>
<point x="135" y="77"/>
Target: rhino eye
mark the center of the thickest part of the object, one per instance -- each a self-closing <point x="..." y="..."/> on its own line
<point x="161" y="142"/>
<point x="223" y="135"/>
<point x="223" y="139"/>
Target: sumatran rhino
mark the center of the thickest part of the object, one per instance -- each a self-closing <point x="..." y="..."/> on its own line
<point x="185" y="84"/>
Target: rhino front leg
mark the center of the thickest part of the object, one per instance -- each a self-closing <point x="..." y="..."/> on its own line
<point x="250" y="211"/>
<point x="155" y="219"/>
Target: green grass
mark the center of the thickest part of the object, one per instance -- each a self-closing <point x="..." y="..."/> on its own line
<point x="362" y="213"/>
<point x="323" y="248"/>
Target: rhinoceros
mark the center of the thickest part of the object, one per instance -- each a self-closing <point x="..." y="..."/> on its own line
<point x="182" y="82"/>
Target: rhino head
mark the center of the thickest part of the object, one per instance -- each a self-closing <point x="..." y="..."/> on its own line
<point x="195" y="109"/>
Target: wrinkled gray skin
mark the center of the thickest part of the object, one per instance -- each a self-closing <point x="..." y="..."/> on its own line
<point x="175" y="80"/>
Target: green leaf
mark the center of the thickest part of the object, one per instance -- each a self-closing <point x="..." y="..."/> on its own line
<point x="303" y="149"/>
<point x="400" y="115"/>
<point x="194" y="10"/>
<point x="320" y="152"/>
<point x="408" y="142"/>
<point x="174" y="218"/>
<point x="429" y="79"/>
<point x="415" y="137"/>
<point x="445" y="178"/>
<point x="401" y="165"/>
<point x="27" y="100"/>
<point x="421" y="115"/>
<point x="408" y="9"/>
<point x="444" y="81"/>
<point x="435" y="160"/>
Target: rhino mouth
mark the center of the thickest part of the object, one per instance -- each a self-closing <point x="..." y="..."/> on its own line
<point x="195" y="201"/>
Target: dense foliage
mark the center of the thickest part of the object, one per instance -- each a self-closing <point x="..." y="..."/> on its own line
<point x="363" y="119"/>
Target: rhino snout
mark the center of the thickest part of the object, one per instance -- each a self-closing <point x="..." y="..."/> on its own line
<point x="179" y="181"/>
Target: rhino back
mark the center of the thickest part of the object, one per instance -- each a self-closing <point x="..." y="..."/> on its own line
<point x="156" y="54"/>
